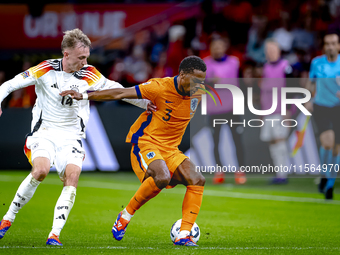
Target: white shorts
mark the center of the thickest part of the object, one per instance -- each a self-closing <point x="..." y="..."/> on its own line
<point x="273" y="130"/>
<point x="60" y="152"/>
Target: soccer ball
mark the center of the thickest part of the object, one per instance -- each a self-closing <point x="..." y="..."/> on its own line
<point x="195" y="231"/>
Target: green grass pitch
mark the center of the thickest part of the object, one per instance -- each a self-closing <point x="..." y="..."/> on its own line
<point x="255" y="218"/>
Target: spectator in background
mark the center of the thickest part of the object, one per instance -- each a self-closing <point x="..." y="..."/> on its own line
<point x="160" y="39"/>
<point x="117" y="71"/>
<point x="137" y="68"/>
<point x="304" y="37"/>
<point x="301" y="65"/>
<point x="223" y="68"/>
<point x="248" y="80"/>
<point x="283" y="35"/>
<point x="257" y="34"/>
<point x="162" y="69"/>
<point x="335" y="12"/>
<point x="274" y="73"/>
<point x="176" y="51"/>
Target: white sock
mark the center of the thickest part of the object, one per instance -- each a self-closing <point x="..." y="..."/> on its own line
<point x="126" y="215"/>
<point x="24" y="193"/>
<point x="62" y="209"/>
<point x="279" y="153"/>
<point x="183" y="233"/>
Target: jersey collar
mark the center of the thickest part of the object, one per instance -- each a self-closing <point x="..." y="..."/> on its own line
<point x="176" y="86"/>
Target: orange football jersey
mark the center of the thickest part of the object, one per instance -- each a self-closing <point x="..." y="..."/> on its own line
<point x="166" y="126"/>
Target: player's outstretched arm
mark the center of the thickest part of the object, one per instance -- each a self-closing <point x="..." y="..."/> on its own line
<point x="104" y="95"/>
<point x="18" y="82"/>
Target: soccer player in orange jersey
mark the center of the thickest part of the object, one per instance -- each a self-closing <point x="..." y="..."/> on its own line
<point x="155" y="156"/>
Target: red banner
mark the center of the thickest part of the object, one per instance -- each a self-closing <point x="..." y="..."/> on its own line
<point x="20" y="30"/>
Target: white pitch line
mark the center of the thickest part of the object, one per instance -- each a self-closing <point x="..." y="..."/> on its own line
<point x="207" y="192"/>
<point x="157" y="248"/>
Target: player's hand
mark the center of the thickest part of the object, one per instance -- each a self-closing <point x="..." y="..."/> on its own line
<point x="151" y="108"/>
<point x="74" y="94"/>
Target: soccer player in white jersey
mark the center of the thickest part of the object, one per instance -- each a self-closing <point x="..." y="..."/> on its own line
<point x="58" y="125"/>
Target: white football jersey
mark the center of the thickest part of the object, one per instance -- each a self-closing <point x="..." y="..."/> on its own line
<point x="52" y="111"/>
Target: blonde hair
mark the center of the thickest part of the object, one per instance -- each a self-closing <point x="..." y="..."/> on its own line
<point x="73" y="37"/>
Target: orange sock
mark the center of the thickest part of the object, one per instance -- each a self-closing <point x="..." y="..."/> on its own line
<point x="191" y="206"/>
<point x="146" y="191"/>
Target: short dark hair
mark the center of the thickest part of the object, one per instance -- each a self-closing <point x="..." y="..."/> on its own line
<point x="330" y="33"/>
<point x="191" y="63"/>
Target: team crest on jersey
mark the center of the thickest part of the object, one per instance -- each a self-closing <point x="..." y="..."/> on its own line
<point x="337" y="80"/>
<point x="74" y="87"/>
<point x="194" y="104"/>
<point x="146" y="83"/>
<point x="150" y="155"/>
<point x="25" y="74"/>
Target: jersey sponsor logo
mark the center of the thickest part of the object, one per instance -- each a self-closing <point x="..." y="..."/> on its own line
<point x="168" y="102"/>
<point x="146" y="83"/>
<point x="55" y="86"/>
<point x="25" y="74"/>
<point x="194" y="104"/>
<point x="150" y="155"/>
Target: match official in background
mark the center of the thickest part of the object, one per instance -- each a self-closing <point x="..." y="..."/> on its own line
<point x="325" y="84"/>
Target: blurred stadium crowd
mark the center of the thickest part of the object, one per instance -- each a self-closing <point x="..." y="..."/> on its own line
<point x="156" y="50"/>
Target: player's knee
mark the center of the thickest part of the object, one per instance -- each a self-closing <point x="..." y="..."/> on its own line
<point x="40" y="173"/>
<point x="71" y="176"/>
<point x="328" y="145"/>
<point x="196" y="179"/>
<point x="162" y="180"/>
<point x="199" y="180"/>
<point x="327" y="140"/>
